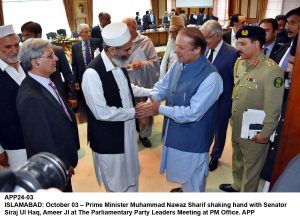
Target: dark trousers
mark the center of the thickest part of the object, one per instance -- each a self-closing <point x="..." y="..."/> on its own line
<point x="223" y="115"/>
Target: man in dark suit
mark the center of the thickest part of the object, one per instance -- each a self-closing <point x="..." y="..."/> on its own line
<point x="218" y="49"/>
<point x="104" y="20"/>
<point x="48" y="124"/>
<point x="62" y="77"/>
<point x="12" y="146"/>
<point x="237" y="21"/>
<point x="271" y="48"/>
<point x="146" y="21"/>
<point x="83" y="52"/>
<point x="282" y="35"/>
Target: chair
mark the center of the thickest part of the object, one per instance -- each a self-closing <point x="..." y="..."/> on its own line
<point x="75" y="34"/>
<point x="289" y="181"/>
<point x="51" y="35"/>
<point x="62" y="32"/>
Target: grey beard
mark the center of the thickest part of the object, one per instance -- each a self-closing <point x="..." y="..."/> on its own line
<point x="118" y="62"/>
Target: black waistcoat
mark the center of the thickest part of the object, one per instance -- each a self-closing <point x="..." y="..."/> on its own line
<point x="107" y="137"/>
<point x="11" y="137"/>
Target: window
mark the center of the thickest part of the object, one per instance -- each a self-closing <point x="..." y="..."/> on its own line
<point x="50" y="14"/>
<point x="221" y="11"/>
<point x="119" y="9"/>
<point x="274" y="8"/>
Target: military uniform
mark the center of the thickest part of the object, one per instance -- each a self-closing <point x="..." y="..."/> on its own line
<point x="257" y="86"/>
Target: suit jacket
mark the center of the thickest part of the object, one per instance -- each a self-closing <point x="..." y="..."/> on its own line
<point x="227" y="37"/>
<point x="78" y="65"/>
<point x="45" y="125"/>
<point x="66" y="87"/>
<point x="146" y="22"/>
<point x="96" y="33"/>
<point x="225" y="68"/>
<point x="278" y="51"/>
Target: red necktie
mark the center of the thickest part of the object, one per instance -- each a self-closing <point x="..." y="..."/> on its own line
<point x="52" y="85"/>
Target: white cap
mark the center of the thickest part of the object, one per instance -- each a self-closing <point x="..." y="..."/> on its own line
<point x="6" y="30"/>
<point x="116" y="34"/>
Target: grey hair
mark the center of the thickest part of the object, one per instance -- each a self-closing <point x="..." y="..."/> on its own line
<point x="31" y="49"/>
<point x="82" y="26"/>
<point x="213" y="26"/>
<point x="130" y="20"/>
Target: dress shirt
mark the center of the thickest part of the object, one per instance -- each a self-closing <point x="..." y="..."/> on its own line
<point x="44" y="82"/>
<point x="270" y="48"/>
<point x="206" y="95"/>
<point x="216" y="51"/>
<point x="94" y="95"/>
<point x="16" y="75"/>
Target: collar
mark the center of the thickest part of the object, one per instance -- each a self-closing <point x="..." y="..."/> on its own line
<point x="83" y="42"/>
<point x="40" y="79"/>
<point x="107" y="62"/>
<point x="260" y="59"/>
<point x="4" y="65"/>
<point x="270" y="47"/>
<point x="218" y="47"/>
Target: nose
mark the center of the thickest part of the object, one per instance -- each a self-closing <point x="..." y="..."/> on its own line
<point x="55" y="57"/>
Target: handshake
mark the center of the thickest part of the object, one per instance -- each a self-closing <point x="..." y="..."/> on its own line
<point x="145" y="109"/>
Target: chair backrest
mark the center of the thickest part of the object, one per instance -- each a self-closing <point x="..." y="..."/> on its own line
<point x="289" y="181"/>
<point x="51" y="35"/>
<point x="75" y="34"/>
<point x="62" y="32"/>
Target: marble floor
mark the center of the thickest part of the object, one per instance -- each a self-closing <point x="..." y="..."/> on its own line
<point x="150" y="179"/>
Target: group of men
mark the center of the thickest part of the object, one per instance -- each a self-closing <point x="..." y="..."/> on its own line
<point x="122" y="94"/>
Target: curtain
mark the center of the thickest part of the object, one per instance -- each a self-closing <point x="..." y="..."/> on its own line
<point x="90" y="12"/>
<point x="1" y="14"/>
<point x="70" y="15"/>
<point x="262" y="8"/>
<point x="154" y="5"/>
<point x="220" y="10"/>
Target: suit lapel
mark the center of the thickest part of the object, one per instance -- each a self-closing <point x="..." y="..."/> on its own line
<point x="49" y="97"/>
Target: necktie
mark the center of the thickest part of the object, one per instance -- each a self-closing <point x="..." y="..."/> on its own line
<point x="211" y="55"/>
<point x="265" y="51"/>
<point x="52" y="85"/>
<point x="87" y="53"/>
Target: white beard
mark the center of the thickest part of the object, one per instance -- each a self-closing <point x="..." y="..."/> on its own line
<point x="118" y="62"/>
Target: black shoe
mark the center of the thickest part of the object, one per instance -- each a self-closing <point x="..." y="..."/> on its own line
<point x="227" y="188"/>
<point x="145" y="141"/>
<point x="213" y="164"/>
<point x="179" y="189"/>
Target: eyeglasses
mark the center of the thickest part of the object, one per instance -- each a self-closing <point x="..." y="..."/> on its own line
<point x="50" y="56"/>
<point x="210" y="37"/>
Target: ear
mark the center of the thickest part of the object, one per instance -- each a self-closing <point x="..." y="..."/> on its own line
<point x="112" y="51"/>
<point x="35" y="63"/>
<point x="197" y="51"/>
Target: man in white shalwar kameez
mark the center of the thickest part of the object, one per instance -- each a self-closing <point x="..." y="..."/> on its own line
<point x="111" y="120"/>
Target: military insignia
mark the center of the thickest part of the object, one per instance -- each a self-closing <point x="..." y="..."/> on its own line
<point x="245" y="32"/>
<point x="278" y="82"/>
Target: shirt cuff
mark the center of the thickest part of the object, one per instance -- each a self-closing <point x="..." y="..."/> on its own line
<point x="164" y="110"/>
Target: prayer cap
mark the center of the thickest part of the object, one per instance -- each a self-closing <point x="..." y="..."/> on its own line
<point x="6" y="30"/>
<point x="116" y="34"/>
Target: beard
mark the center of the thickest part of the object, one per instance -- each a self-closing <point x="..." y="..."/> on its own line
<point x="120" y="61"/>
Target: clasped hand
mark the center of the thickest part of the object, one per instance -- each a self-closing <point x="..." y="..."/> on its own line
<point x="145" y="109"/>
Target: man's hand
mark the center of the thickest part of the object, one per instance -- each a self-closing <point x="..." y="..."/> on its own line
<point x="77" y="86"/>
<point x="4" y="159"/>
<point x="136" y="65"/>
<point x="145" y="109"/>
<point x="72" y="103"/>
<point x="259" y="138"/>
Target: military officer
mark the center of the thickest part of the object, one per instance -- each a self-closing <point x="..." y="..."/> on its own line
<point x="258" y="85"/>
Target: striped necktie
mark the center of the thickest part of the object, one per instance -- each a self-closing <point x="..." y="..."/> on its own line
<point x="87" y="53"/>
<point x="61" y="102"/>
